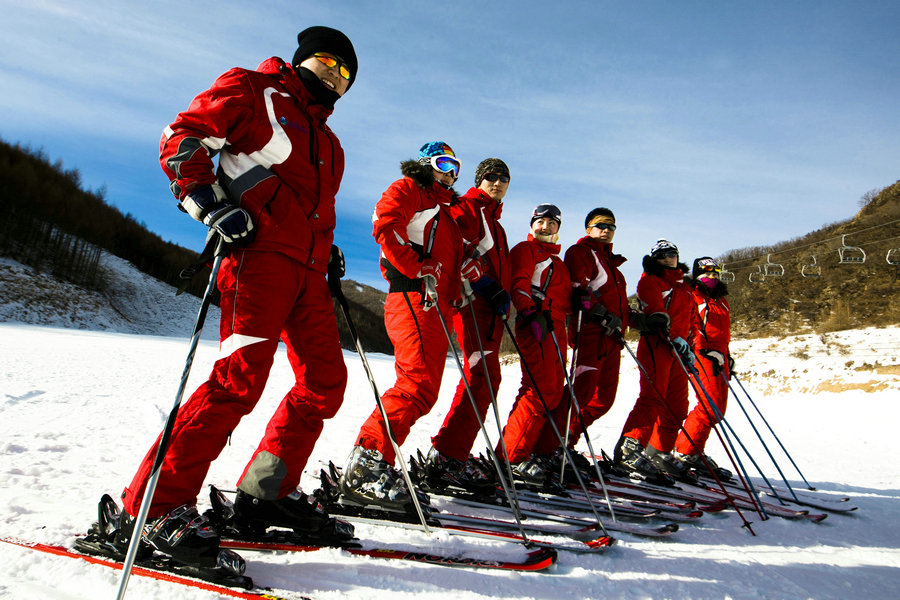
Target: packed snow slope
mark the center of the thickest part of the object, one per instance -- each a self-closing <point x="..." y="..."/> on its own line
<point x="79" y="406"/>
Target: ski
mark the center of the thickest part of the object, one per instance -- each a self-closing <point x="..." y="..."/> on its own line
<point x="164" y="569"/>
<point x="805" y="500"/>
<point x="536" y="560"/>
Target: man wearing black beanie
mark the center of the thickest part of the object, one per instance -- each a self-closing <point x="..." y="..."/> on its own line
<point x="271" y="199"/>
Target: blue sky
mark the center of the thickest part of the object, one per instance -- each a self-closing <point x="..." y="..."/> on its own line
<point x="717" y="125"/>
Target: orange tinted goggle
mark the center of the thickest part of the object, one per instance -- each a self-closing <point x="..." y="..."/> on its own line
<point x="331" y="62"/>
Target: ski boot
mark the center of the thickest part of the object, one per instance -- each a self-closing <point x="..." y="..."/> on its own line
<point x="442" y="472"/>
<point x="584" y="466"/>
<point x="368" y="481"/>
<point x="535" y="474"/>
<point x="671" y="466"/>
<point x="297" y="511"/>
<point x="695" y="462"/>
<point x="630" y="461"/>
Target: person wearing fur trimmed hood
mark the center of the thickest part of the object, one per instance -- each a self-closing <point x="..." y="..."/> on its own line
<point x="671" y="322"/>
<point x="599" y="293"/>
<point x="419" y="240"/>
<point x="486" y="272"/>
<point x="714" y="363"/>
<point x="540" y="292"/>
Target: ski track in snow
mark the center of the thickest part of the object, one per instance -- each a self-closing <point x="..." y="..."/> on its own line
<point x="79" y="407"/>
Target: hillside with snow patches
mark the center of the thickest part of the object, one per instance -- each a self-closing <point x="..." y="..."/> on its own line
<point x="87" y="379"/>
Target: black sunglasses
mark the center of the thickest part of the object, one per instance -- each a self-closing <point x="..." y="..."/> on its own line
<point x="609" y="226"/>
<point x="492" y="177"/>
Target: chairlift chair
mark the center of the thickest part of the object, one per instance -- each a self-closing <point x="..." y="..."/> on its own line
<point x="726" y="276"/>
<point x="850" y="254"/>
<point x="893" y="256"/>
<point x="773" y="269"/>
<point x="812" y="269"/>
<point x="757" y="276"/>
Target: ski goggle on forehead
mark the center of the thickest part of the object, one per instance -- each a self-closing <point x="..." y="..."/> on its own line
<point x="331" y="62"/>
<point x="709" y="266"/>
<point x="446" y="164"/>
<point x="547" y="210"/>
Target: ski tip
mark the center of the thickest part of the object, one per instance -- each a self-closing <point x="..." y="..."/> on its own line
<point x="602" y="542"/>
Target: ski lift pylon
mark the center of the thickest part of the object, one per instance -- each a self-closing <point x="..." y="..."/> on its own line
<point x="757" y="276"/>
<point x="726" y="276"/>
<point x="773" y="269"/>
<point x="850" y="254"/>
<point x="812" y="269"/>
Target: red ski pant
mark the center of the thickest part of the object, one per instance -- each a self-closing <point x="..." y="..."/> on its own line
<point x="265" y="295"/>
<point x="701" y="419"/>
<point x="596" y="380"/>
<point x="662" y="404"/>
<point x="528" y="416"/>
<point x="420" y="357"/>
<point x="461" y="427"/>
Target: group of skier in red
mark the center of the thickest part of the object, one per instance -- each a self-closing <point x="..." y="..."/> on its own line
<point x="447" y="261"/>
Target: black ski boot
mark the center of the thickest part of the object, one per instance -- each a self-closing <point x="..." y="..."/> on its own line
<point x="368" y="481"/>
<point x="535" y="473"/>
<point x="442" y="472"/>
<point x="671" y="466"/>
<point x="695" y="462"/>
<point x="584" y="466"/>
<point x="629" y="460"/>
<point x="297" y="511"/>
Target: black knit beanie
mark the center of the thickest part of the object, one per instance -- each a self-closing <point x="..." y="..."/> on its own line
<point x="490" y="165"/>
<point x="325" y="39"/>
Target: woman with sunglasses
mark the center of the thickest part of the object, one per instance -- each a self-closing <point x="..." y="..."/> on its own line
<point x="714" y="365"/>
<point x="540" y="292"/>
<point x="649" y="434"/>
<point x="271" y="197"/>
<point x="478" y="330"/>
<point x="599" y="293"/>
<point x="419" y="239"/>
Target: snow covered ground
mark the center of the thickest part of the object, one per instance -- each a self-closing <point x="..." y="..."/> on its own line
<point x="79" y="407"/>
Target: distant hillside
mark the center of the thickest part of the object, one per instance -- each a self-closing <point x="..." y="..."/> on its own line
<point x="826" y="285"/>
<point x="49" y="223"/>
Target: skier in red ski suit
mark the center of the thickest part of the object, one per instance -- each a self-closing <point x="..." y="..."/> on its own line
<point x="541" y="290"/>
<point x="488" y="277"/>
<point x="662" y="404"/>
<point x="419" y="239"/>
<point x="273" y="198"/>
<point x="598" y="291"/>
<point x="713" y="364"/>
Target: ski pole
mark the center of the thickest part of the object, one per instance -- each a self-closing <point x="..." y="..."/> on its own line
<point x="661" y="399"/>
<point x="496" y="411"/>
<point x="553" y="426"/>
<point x="432" y="291"/>
<point x="761" y="441"/>
<point x="690" y="370"/>
<point x="335" y="286"/>
<point x="772" y="431"/>
<point x="163" y="446"/>
<point x="562" y="467"/>
<point x="573" y="404"/>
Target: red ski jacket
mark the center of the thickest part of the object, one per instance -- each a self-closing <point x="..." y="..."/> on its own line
<point x="277" y="158"/>
<point x="478" y="216"/>
<point x="715" y="317"/>
<point x="540" y="279"/>
<point x="664" y="290"/>
<point x="593" y="267"/>
<point x="412" y="222"/>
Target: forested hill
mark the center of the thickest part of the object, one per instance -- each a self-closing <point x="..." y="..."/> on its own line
<point x="48" y="222"/>
<point x="842" y="276"/>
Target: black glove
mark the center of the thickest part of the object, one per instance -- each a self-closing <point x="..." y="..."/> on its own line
<point x="658" y="322"/>
<point x="494" y="293"/>
<point x="610" y="323"/>
<point x="730" y="364"/>
<point x="337" y="268"/>
<point x="716" y="358"/>
<point x="208" y="204"/>
<point x="581" y="300"/>
<point x="539" y="322"/>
